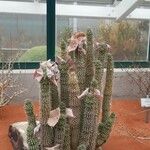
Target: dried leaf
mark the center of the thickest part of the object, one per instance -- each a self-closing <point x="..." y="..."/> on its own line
<point x="54" y="117"/>
<point x="69" y="113"/>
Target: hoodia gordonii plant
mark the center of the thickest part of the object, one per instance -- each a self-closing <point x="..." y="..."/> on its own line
<point x="69" y="117"/>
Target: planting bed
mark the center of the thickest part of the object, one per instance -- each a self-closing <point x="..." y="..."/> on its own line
<point x="130" y="131"/>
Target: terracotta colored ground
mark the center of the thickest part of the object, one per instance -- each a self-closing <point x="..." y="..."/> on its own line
<point x="128" y="127"/>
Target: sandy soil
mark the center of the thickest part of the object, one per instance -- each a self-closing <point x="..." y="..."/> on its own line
<point x="128" y="127"/>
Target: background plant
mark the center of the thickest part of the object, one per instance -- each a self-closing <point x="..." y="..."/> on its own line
<point x="126" y="38"/>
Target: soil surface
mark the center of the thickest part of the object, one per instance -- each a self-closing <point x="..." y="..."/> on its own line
<point x="130" y="131"/>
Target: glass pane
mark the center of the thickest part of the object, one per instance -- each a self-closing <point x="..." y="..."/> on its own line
<point x="129" y="39"/>
<point x="22" y="37"/>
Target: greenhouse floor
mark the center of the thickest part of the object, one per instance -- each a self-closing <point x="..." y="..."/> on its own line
<point x="130" y="131"/>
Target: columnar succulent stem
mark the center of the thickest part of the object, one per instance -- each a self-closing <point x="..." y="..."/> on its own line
<point x="59" y="132"/>
<point x="87" y="122"/>
<point x="46" y="131"/>
<point x="30" y="114"/>
<point x="64" y="87"/>
<point x="80" y="68"/>
<point x="67" y="140"/>
<point x="108" y="89"/>
<point x="89" y="73"/>
<point x="93" y="136"/>
<point x="32" y="141"/>
<point x="54" y="96"/>
<point x="63" y="50"/>
<point x="74" y="103"/>
<point x="100" y="64"/>
<point x="104" y="130"/>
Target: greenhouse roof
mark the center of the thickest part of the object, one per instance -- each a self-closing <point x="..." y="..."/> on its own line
<point x="109" y="9"/>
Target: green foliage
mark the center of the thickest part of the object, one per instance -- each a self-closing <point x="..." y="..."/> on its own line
<point x="37" y="53"/>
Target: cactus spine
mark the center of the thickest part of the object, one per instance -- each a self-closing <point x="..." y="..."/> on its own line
<point x="32" y="141"/>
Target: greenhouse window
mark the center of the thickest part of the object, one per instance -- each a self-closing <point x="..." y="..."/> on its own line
<point x="27" y="29"/>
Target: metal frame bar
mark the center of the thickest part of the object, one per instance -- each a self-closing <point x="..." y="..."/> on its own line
<point x="125" y="7"/>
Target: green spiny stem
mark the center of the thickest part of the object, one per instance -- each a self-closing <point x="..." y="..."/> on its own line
<point x="89" y="73"/>
<point x="102" y="51"/>
<point x="32" y="141"/>
<point x="63" y="50"/>
<point x="67" y="140"/>
<point x="59" y="131"/>
<point x="64" y="87"/>
<point x="93" y="136"/>
<point x="54" y="96"/>
<point x="100" y="64"/>
<point x="74" y="103"/>
<point x="46" y="131"/>
<point x="29" y="112"/>
<point x="80" y="68"/>
<point x="46" y="136"/>
<point x="74" y="90"/>
<point x="81" y="147"/>
<point x="98" y="71"/>
<point x="108" y="89"/>
<point x="104" y="130"/>
<point x="81" y="74"/>
<point x="88" y="121"/>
